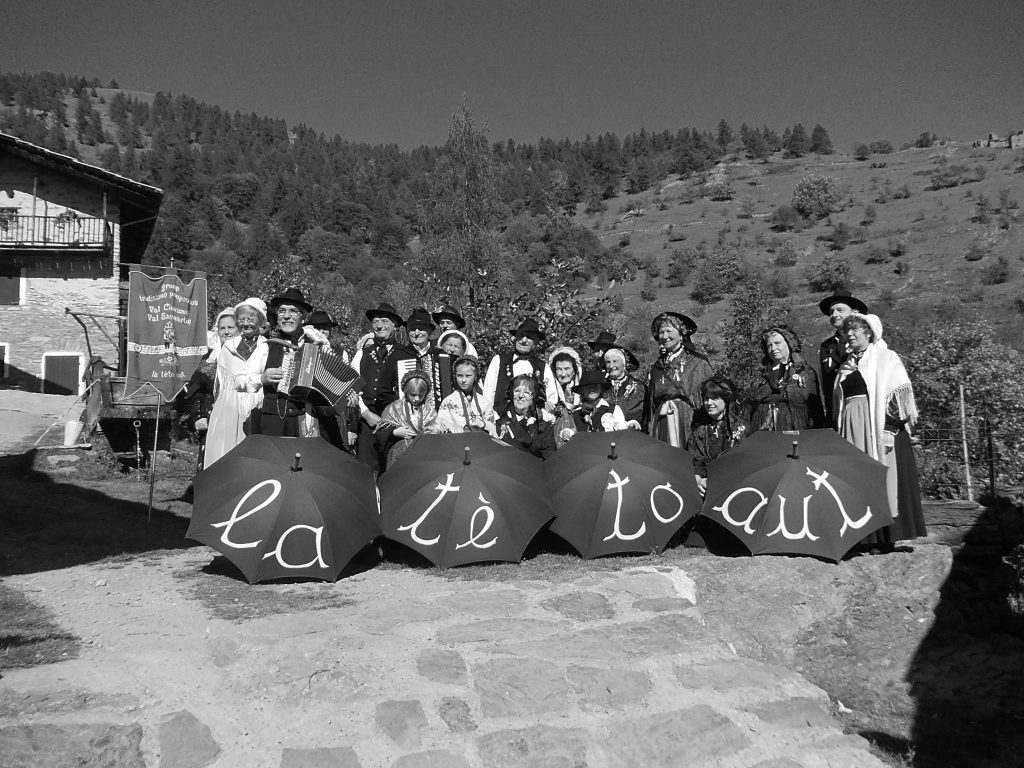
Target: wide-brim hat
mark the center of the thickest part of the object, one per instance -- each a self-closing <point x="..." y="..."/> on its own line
<point x="385" y="310"/>
<point x="842" y="297"/>
<point x="604" y="340"/>
<point x="319" y="317"/>
<point x="590" y="377"/>
<point x="631" y="362"/>
<point x="689" y="324"/>
<point x="292" y="296"/>
<point x="451" y="313"/>
<point x="528" y="327"/>
<point x="420" y="318"/>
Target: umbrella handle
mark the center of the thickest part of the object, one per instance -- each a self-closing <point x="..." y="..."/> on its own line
<point x="295" y="464"/>
<point x="612" y="455"/>
<point x="796" y="450"/>
<point x="465" y="457"/>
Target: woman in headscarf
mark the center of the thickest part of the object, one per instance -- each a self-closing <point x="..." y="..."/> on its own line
<point x="787" y="397"/>
<point x="566" y="365"/>
<point x="238" y="390"/>
<point x="627" y="392"/>
<point x="673" y="390"/>
<point x="875" y="408"/>
<point x="198" y="396"/>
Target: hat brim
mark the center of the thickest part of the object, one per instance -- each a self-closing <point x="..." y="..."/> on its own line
<point x="437" y="317"/>
<point x="689" y="324"/>
<point x="854" y="303"/>
<point x="631" y="360"/>
<point x="279" y="300"/>
<point x="392" y="316"/>
<point x="538" y="335"/>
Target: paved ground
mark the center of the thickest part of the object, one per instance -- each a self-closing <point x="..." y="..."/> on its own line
<point x="24" y="416"/>
<point x="409" y="667"/>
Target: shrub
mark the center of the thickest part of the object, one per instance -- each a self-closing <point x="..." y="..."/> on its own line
<point x="595" y="205"/>
<point x="717" y="275"/>
<point x="780" y="284"/>
<point x="816" y="196"/>
<point x="747" y="207"/>
<point x="680" y="266"/>
<point x="787" y="256"/>
<point x="861" y="152"/>
<point x="840" y="236"/>
<point x="830" y="275"/>
<point x="870" y="215"/>
<point x="625" y="240"/>
<point x="902" y="193"/>
<point x="648" y="292"/>
<point x="996" y="273"/>
<point x="977" y="250"/>
<point x="719" y="189"/>
<point x="785" y="218"/>
<point x="877" y="255"/>
<point x="881" y="147"/>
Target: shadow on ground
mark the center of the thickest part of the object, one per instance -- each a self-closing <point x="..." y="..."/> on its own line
<point x="48" y="524"/>
<point x="967" y="676"/>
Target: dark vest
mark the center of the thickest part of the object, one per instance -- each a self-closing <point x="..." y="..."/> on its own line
<point x="830" y="357"/>
<point x="505" y="361"/>
<point x="381" y="376"/>
<point x="274" y="403"/>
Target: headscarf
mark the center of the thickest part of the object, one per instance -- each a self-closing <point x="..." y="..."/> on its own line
<point x="567" y="398"/>
<point x="616" y="352"/>
<point x="470" y="349"/>
<point x="213" y="342"/>
<point x="254" y="303"/>
<point x="885" y="379"/>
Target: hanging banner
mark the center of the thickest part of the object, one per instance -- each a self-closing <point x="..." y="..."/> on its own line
<point x="166" y="332"/>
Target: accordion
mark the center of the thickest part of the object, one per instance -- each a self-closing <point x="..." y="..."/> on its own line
<point x="438" y="368"/>
<point x="314" y="372"/>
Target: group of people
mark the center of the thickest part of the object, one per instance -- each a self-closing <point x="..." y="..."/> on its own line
<point x="429" y="379"/>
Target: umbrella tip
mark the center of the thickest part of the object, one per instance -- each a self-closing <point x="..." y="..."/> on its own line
<point x="465" y="457"/>
<point x="612" y="454"/>
<point x="796" y="450"/>
<point x="295" y="465"/>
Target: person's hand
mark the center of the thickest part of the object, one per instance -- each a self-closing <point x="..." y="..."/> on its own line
<point x="371" y="419"/>
<point x="272" y="376"/>
<point x="404" y="432"/>
<point x="352" y="437"/>
<point x="202" y="425"/>
<point x="353" y="399"/>
<point x="702" y="484"/>
<point x="632" y="424"/>
<point x="888" y="441"/>
<point x="566" y="434"/>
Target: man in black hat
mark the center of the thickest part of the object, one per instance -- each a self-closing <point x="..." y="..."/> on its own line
<point x="833" y="349"/>
<point x="377" y="362"/>
<point x="280" y="414"/>
<point x="447" y="318"/>
<point x="432" y="360"/>
<point x="508" y="364"/>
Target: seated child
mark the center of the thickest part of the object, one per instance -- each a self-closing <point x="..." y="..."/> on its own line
<point x="595" y="413"/>
<point x="715" y="429"/>
<point x="467" y="409"/>
<point x="407" y="418"/>
<point x="522" y="425"/>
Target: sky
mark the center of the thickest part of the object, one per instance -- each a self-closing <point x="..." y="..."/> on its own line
<point x="394" y="71"/>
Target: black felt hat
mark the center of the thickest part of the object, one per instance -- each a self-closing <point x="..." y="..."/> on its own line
<point x="589" y="378"/>
<point x="604" y="340"/>
<point x="842" y="296"/>
<point x="385" y="310"/>
<point x="319" y="318"/>
<point x="528" y="327"/>
<point x="419" y="318"/>
<point x="292" y="296"/>
<point x="451" y="313"/>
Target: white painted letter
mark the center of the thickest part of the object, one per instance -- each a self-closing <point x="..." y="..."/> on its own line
<point x="474" y="535"/>
<point x="822" y="480"/>
<point x="444" y="488"/>
<point x="803" y="534"/>
<point x="724" y="508"/>
<point x="319" y="559"/>
<point x="227" y="524"/>
<point x="616" y="533"/>
<point x="654" y="507"/>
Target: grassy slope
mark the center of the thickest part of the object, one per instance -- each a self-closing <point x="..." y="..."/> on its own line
<point x="935" y="227"/>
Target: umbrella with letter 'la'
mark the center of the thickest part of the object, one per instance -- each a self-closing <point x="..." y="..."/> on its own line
<point x="620" y="491"/>
<point x="280" y="507"/>
<point x="800" y="493"/>
<point x="464" y="497"/>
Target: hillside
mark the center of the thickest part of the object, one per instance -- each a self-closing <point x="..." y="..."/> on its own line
<point x="908" y="256"/>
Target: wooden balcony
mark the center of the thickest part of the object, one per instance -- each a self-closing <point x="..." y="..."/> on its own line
<point x="55" y="233"/>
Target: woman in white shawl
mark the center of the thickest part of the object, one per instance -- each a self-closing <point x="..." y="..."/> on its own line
<point x="874" y="401"/>
<point x="567" y="368"/>
<point x="239" y="364"/>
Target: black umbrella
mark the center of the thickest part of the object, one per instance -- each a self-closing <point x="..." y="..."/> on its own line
<point x="284" y="507"/>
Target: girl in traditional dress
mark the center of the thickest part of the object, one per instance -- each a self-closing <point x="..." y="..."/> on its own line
<point x="787" y="397"/>
<point x="521" y="425"/>
<point x="238" y="391"/>
<point x="466" y="409"/>
<point x="875" y="408"/>
<point x="673" y="391"/>
<point x="596" y="413"/>
<point x="406" y="419"/>
<point x="716" y="427"/>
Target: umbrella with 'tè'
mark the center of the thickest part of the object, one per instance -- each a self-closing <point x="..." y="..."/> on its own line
<point x="800" y="493"/>
<point x="620" y="491"/>
<point x="463" y="497"/>
<point x="280" y="507"/>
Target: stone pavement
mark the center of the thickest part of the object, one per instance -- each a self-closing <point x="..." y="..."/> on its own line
<point x="408" y="667"/>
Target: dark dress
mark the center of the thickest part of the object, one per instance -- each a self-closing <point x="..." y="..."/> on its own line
<point x="830" y="357"/>
<point x="630" y="395"/>
<point x="537" y="438"/>
<point x="787" y="398"/>
<point x="673" y="394"/>
<point x="197" y="401"/>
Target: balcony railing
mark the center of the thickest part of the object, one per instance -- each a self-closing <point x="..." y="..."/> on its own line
<point x="17" y="231"/>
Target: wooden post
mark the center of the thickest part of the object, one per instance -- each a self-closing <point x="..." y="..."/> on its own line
<point x="963" y="433"/>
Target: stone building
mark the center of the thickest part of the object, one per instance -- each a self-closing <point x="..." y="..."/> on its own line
<point x="65" y="228"/>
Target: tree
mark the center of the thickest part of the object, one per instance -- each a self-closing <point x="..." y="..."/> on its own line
<point x="821" y="144"/>
<point x="816" y="196"/>
<point x="881" y="147"/>
<point x="832" y="274"/>
<point x="926" y="140"/>
<point x="861" y="152"/>
<point x="752" y="309"/>
<point x="724" y="134"/>
<point x="797" y="144"/>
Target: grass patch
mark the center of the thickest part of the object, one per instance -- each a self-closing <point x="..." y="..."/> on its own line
<point x="28" y="634"/>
